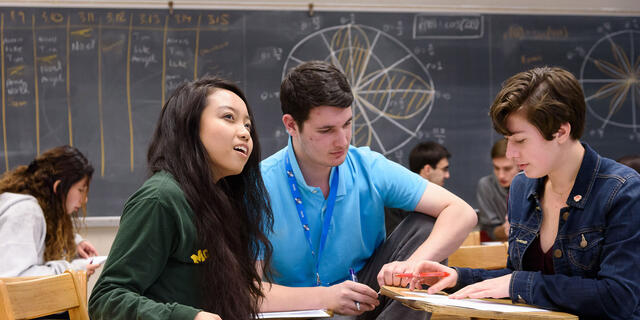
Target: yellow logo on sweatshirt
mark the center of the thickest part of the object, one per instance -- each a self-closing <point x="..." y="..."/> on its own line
<point x="201" y="256"/>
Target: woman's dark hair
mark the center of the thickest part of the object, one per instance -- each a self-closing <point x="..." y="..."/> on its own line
<point x="63" y="163"/>
<point x="232" y="215"/>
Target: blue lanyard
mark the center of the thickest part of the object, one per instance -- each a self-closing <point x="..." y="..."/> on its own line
<point x="297" y="198"/>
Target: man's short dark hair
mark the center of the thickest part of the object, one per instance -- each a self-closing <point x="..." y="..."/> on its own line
<point x="313" y="84"/>
<point x="429" y="152"/>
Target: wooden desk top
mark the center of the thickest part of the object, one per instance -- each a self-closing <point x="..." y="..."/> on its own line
<point x="392" y="292"/>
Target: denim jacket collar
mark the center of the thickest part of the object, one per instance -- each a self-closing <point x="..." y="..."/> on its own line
<point x="584" y="180"/>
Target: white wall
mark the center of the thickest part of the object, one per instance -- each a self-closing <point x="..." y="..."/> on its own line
<point x="100" y="232"/>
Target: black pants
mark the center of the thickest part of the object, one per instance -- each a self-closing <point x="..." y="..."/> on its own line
<point x="62" y="315"/>
<point x="399" y="246"/>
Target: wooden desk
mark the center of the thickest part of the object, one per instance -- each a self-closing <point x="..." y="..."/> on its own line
<point x="490" y="257"/>
<point x="392" y="292"/>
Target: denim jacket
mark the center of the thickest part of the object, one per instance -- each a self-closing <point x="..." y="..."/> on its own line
<point x="596" y="253"/>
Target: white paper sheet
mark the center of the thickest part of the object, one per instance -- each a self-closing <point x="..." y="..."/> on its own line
<point x="476" y="304"/>
<point x="294" y="314"/>
<point x="97" y="259"/>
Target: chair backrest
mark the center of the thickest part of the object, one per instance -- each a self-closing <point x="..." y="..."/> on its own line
<point x="485" y="257"/>
<point x="473" y="239"/>
<point x="31" y="297"/>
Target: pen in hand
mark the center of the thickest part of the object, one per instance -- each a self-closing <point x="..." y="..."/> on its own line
<point x="422" y="275"/>
<point x="354" y="279"/>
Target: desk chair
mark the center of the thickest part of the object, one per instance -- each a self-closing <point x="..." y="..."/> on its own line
<point x="31" y="297"/>
<point x="473" y="239"/>
<point x="484" y="257"/>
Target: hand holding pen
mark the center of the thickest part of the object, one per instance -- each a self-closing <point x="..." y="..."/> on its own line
<point x="422" y="274"/>
<point x="354" y="278"/>
<point x="342" y="298"/>
<point x="431" y="273"/>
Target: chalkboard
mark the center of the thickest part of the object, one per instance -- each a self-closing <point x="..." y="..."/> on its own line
<point x="96" y="78"/>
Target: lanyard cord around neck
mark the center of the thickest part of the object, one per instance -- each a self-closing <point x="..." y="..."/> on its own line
<point x="297" y="198"/>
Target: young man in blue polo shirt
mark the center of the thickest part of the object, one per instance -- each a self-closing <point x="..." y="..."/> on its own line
<point x="328" y="201"/>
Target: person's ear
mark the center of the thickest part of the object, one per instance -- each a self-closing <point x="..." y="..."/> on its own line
<point x="290" y="124"/>
<point x="564" y="132"/>
<point x="426" y="171"/>
<point x="55" y="186"/>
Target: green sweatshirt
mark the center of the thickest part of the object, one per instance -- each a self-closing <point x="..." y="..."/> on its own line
<point x="151" y="272"/>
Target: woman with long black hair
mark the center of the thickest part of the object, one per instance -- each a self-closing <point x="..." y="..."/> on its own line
<point x="189" y="238"/>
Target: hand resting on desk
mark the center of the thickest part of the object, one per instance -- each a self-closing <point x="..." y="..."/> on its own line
<point x="491" y="288"/>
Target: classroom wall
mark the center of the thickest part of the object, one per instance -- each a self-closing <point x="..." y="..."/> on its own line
<point x="100" y="231"/>
<point x="618" y="7"/>
<point x="101" y="236"/>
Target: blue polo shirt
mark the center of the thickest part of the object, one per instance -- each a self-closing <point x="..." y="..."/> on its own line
<point x="367" y="183"/>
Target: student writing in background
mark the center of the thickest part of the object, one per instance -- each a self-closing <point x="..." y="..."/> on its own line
<point x="189" y="237"/>
<point x="37" y="205"/>
<point x="319" y="184"/>
<point x="575" y="216"/>
<point x="492" y="193"/>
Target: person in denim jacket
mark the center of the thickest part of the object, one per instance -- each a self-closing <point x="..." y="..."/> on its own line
<point x="574" y="215"/>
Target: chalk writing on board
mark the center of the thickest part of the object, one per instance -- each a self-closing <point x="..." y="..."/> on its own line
<point x="393" y="91"/>
<point x="448" y="26"/>
<point x="610" y="78"/>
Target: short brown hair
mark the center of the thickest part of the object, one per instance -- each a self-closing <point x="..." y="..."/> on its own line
<point x="313" y="84"/>
<point x="548" y="96"/>
<point x="499" y="149"/>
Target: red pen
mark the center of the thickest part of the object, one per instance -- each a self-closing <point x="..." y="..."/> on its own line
<point x="423" y="275"/>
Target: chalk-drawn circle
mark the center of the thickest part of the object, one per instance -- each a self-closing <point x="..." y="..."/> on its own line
<point x="393" y="91"/>
<point x="610" y="77"/>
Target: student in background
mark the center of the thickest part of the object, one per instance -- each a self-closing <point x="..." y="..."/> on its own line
<point x="575" y="216"/>
<point x="631" y="161"/>
<point x="189" y="238"/>
<point x="431" y="161"/>
<point x="319" y="184"/>
<point x="492" y="194"/>
<point x="37" y="205"/>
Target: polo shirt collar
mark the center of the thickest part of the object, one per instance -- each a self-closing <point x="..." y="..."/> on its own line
<point x="300" y="178"/>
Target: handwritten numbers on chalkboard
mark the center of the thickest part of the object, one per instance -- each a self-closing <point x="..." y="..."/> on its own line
<point x="577" y="52"/>
<point x="152" y="19"/>
<point x="17" y="16"/>
<point x="182" y="18"/>
<point x="397" y="29"/>
<point x="52" y="17"/>
<point x="218" y="19"/>
<point x="348" y="20"/>
<point x="87" y="17"/>
<point x="312" y="25"/>
<point x="116" y="18"/>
